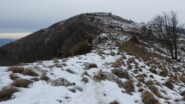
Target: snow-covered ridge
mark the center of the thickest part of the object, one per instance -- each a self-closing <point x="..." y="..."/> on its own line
<point x="106" y="75"/>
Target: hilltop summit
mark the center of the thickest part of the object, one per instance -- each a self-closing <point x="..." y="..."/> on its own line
<point x="59" y="39"/>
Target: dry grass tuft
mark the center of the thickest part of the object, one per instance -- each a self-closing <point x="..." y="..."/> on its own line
<point x="164" y="72"/>
<point x="7" y="92"/>
<point x="21" y="83"/>
<point x="169" y="84"/>
<point x="70" y="71"/>
<point x="85" y="80"/>
<point x="29" y="72"/>
<point x="183" y="94"/>
<point x="148" y="98"/>
<point x="14" y="76"/>
<point x="16" y="69"/>
<point x="182" y="79"/>
<point x="100" y="76"/>
<point x="115" y="102"/>
<point x="149" y="82"/>
<point x="131" y="60"/>
<point x="23" y="71"/>
<point x="129" y="86"/>
<point x="44" y="77"/>
<point x="91" y="65"/>
<point x="121" y="73"/>
<point x="155" y="91"/>
<point x="118" y="63"/>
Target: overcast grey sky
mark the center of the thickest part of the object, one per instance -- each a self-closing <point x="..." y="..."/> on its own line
<point x="31" y="15"/>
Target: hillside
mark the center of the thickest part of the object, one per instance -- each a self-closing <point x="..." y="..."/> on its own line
<point x="57" y="40"/>
<point x="105" y="60"/>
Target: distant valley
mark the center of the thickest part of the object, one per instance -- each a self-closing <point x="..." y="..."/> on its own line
<point x="6" y="41"/>
<point x="6" y="38"/>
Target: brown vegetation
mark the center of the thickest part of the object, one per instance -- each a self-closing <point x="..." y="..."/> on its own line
<point x="148" y="98"/>
<point x="13" y="76"/>
<point x="70" y="71"/>
<point x="16" y="69"/>
<point x="118" y="63"/>
<point x="29" y="72"/>
<point x="115" y="102"/>
<point x="155" y="91"/>
<point x="139" y="50"/>
<point x="129" y="86"/>
<point x="21" y="83"/>
<point x="85" y="80"/>
<point x="169" y="84"/>
<point x="121" y="73"/>
<point x="91" y="65"/>
<point x="23" y="71"/>
<point x="7" y="92"/>
<point x="44" y="77"/>
<point x="100" y="76"/>
<point x="183" y="94"/>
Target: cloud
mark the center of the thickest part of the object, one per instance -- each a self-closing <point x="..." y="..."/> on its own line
<point x="36" y="14"/>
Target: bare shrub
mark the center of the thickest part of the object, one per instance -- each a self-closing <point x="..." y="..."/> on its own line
<point x="148" y="98"/>
<point x="7" y="92"/>
<point x="21" y="83"/>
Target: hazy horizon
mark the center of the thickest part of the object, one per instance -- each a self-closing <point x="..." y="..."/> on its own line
<point x="32" y="15"/>
<point x="13" y="35"/>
